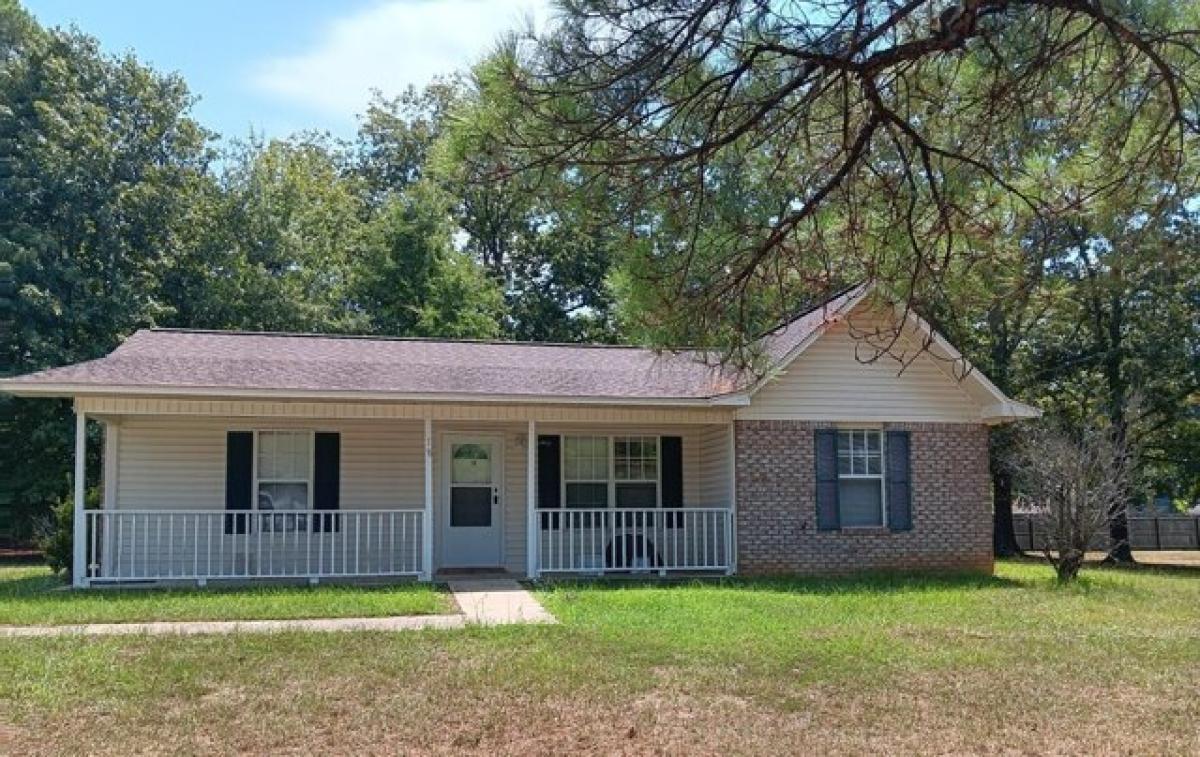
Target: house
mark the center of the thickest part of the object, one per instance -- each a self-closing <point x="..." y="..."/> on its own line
<point x="262" y="456"/>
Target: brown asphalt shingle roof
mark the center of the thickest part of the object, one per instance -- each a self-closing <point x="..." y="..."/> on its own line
<point x="164" y="359"/>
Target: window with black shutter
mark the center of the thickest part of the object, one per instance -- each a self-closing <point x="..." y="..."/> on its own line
<point x="282" y="481"/>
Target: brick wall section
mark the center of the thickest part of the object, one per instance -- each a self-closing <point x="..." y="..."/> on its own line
<point x="776" y="507"/>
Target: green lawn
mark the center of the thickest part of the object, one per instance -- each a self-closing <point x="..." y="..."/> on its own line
<point x="1009" y="664"/>
<point x="31" y="595"/>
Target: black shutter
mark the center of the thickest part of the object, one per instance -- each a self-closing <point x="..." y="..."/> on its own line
<point x="327" y="481"/>
<point x="899" y="489"/>
<point x="672" y="477"/>
<point x="549" y="475"/>
<point x="239" y="475"/>
<point x="827" y="480"/>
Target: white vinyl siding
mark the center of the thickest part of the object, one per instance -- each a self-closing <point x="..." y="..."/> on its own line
<point x="179" y="464"/>
<point x="515" y="523"/>
<point x="171" y="465"/>
<point x="713" y="467"/>
<point x="828" y="382"/>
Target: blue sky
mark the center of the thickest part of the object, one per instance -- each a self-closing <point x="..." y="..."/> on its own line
<point x="281" y="66"/>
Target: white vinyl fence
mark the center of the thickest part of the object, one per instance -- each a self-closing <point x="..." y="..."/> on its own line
<point x="634" y="540"/>
<point x="144" y="545"/>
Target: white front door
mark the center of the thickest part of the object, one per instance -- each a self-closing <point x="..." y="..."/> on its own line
<point x="473" y="509"/>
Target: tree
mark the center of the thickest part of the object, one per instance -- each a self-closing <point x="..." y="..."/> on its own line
<point x="396" y="135"/>
<point x="862" y="139"/>
<point x="98" y="160"/>
<point x="410" y="281"/>
<point x="1127" y="327"/>
<point x="1072" y="482"/>
<point x="550" y="238"/>
<point x="272" y="245"/>
<point x="1015" y="300"/>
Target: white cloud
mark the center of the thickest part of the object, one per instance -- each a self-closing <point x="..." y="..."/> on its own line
<point x="388" y="47"/>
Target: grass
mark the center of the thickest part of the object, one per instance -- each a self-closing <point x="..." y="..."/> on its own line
<point x="959" y="664"/>
<point x="31" y="595"/>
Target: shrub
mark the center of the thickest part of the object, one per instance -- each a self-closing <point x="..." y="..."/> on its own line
<point x="55" y="533"/>
<point x="1073" y="482"/>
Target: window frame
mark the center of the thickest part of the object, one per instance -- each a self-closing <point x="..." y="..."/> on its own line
<point x="310" y="442"/>
<point x="611" y="480"/>
<point x="657" y="480"/>
<point x="565" y="480"/>
<point x="881" y="476"/>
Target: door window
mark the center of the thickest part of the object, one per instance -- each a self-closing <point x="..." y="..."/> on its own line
<point x="471" y="486"/>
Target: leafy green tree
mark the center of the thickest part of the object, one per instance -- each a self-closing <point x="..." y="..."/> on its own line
<point x="99" y="158"/>
<point x="273" y="246"/>
<point x="410" y="281"/>
<point x="1124" y="343"/>
<point x="871" y="137"/>
<point x="396" y="134"/>
<point x="550" y="238"/>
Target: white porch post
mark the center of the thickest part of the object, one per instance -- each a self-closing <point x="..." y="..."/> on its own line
<point x="79" y="539"/>
<point x="427" y="531"/>
<point x="732" y="546"/>
<point x="532" y="542"/>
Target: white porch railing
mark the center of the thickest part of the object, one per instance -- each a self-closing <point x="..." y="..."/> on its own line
<point x="634" y="540"/>
<point x="137" y="545"/>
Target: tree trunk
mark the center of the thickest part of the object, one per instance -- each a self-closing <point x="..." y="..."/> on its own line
<point x="1004" y="536"/>
<point x="1068" y="564"/>
<point x="1119" y="551"/>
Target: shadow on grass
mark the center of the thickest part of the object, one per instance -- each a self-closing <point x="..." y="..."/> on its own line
<point x="1185" y="569"/>
<point x="30" y="586"/>
<point x="858" y="583"/>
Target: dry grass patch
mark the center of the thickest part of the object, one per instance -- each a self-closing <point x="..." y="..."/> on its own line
<point x="1013" y="665"/>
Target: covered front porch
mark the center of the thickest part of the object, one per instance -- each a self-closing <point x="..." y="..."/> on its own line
<point x="222" y="490"/>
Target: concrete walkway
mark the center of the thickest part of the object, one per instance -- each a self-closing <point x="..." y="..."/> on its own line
<point x="193" y="627"/>
<point x="484" y="601"/>
<point x="498" y="601"/>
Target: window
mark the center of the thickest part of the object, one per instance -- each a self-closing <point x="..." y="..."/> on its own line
<point x="635" y="470"/>
<point x="471" y="486"/>
<point x="860" y="477"/>
<point x="585" y="471"/>
<point x="283" y="479"/>
<point x="631" y="481"/>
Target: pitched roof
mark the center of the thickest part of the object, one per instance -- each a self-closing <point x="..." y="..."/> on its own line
<point x="225" y="362"/>
<point x="781" y="342"/>
<point x="231" y="361"/>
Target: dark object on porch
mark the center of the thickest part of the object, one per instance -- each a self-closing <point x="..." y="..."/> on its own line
<point x="630" y="552"/>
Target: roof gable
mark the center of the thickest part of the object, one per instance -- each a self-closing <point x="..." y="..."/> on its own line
<point x="919" y="348"/>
